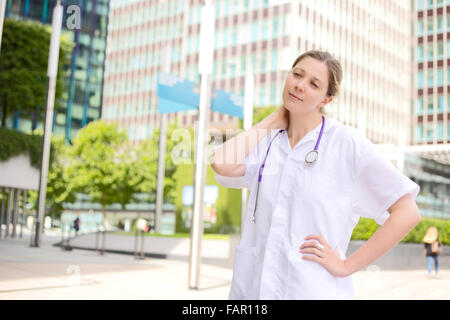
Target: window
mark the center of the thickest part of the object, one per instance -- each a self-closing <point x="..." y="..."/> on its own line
<point x="440" y="75"/>
<point x="430" y="132"/>
<point x="419" y="106"/>
<point x="255" y="31"/>
<point x="440" y="24"/>
<point x="430" y="108"/>
<point x="430" y="78"/>
<point x="274" y="65"/>
<point x="273" y="94"/>
<point x="430" y="52"/>
<point x="243" y="64"/>
<point x="420" y="52"/>
<point x="430" y="25"/>
<point x="419" y="4"/>
<point x="420" y="27"/>
<point x="419" y="132"/>
<point x="275" y="27"/>
<point x="440" y="131"/>
<point x="440" y="104"/>
<point x="420" y="79"/>
<point x="440" y="50"/>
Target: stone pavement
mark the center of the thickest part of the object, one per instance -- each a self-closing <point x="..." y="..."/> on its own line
<point x="48" y="272"/>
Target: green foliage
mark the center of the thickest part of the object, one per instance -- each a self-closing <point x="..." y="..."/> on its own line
<point x="259" y="114"/>
<point x="23" y="68"/>
<point x="59" y="186"/>
<point x="367" y="227"/>
<point x="179" y="146"/>
<point x="99" y="164"/>
<point x="14" y="143"/>
<point x="228" y="203"/>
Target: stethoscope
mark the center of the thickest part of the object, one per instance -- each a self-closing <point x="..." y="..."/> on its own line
<point x="310" y="158"/>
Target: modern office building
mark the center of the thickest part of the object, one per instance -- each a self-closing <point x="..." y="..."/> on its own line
<point x="430" y="105"/>
<point x="84" y="78"/>
<point x="372" y="39"/>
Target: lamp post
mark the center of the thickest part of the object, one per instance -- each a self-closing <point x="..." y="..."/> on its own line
<point x="52" y="71"/>
<point x="2" y="19"/>
<point x="205" y="70"/>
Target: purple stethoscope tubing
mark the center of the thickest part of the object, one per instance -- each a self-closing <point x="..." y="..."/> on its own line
<point x="310" y="157"/>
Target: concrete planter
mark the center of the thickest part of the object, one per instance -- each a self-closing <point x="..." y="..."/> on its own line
<point x="18" y="173"/>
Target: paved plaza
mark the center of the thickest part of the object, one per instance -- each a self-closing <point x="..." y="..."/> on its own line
<point x="48" y="272"/>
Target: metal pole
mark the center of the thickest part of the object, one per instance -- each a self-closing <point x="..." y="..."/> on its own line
<point x="8" y="210"/>
<point x="103" y="241"/>
<point x="52" y="72"/>
<point x="2" y="19"/>
<point x="162" y="153"/>
<point x="24" y="203"/>
<point x="15" y="212"/>
<point x="2" y="211"/>
<point x="205" y="68"/>
<point x="142" y="244"/>
<point x="136" y="243"/>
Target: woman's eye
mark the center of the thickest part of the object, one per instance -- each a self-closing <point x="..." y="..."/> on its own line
<point x="297" y="74"/>
<point x="314" y="85"/>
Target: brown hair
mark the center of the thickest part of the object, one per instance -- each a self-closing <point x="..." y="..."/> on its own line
<point x="334" y="69"/>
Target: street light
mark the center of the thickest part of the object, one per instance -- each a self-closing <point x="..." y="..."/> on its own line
<point x="2" y="19"/>
<point x="52" y="71"/>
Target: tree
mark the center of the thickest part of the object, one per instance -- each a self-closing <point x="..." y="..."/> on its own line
<point x="99" y="164"/>
<point x="59" y="186"/>
<point x="23" y="69"/>
<point x="179" y="145"/>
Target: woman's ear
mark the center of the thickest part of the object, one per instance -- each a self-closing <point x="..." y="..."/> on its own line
<point x="326" y="101"/>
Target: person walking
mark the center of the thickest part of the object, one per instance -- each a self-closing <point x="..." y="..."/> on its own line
<point x="311" y="178"/>
<point x="432" y="250"/>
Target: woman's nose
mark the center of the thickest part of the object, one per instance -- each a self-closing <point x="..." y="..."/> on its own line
<point x="300" y="85"/>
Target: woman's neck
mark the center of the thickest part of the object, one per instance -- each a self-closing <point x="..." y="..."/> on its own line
<point x="300" y="125"/>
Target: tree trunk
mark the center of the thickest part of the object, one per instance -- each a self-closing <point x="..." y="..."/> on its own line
<point x="5" y="109"/>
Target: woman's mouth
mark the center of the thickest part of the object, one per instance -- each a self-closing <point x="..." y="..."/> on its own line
<point x="295" y="97"/>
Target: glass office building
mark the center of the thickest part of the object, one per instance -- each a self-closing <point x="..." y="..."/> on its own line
<point x="428" y="162"/>
<point x="84" y="78"/>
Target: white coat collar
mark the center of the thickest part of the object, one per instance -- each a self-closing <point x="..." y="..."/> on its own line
<point x="330" y="123"/>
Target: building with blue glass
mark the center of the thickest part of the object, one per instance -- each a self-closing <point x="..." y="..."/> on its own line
<point x="84" y="78"/>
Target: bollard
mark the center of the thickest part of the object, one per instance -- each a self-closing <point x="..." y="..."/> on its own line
<point x="142" y="244"/>
<point x="135" y="243"/>
<point x="103" y="241"/>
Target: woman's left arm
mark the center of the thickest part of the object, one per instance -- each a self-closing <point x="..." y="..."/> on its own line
<point x="404" y="216"/>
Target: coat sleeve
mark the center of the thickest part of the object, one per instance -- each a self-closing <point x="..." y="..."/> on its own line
<point x="379" y="184"/>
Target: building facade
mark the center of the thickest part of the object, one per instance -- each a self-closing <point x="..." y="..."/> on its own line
<point x="394" y="87"/>
<point x="84" y="78"/>
<point x="429" y="157"/>
<point x="370" y="38"/>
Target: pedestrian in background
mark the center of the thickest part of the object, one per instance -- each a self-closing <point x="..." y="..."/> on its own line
<point x="432" y="249"/>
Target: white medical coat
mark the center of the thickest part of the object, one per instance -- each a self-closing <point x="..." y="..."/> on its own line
<point x="349" y="179"/>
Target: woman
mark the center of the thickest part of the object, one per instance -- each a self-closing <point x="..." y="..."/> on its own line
<point x="432" y="239"/>
<point x="302" y="208"/>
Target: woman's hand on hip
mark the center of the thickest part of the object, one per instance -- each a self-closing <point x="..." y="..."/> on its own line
<point x="321" y="252"/>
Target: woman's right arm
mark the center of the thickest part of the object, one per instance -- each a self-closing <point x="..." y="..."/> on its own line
<point x="229" y="158"/>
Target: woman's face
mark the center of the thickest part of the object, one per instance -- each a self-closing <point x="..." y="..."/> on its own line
<point x="306" y="86"/>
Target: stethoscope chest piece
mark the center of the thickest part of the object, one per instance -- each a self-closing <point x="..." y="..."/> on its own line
<point x="311" y="156"/>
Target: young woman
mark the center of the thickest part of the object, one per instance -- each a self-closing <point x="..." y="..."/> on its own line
<point x="430" y="240"/>
<point x="311" y="178"/>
